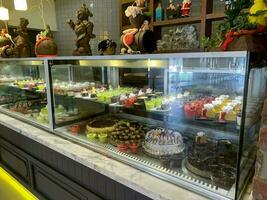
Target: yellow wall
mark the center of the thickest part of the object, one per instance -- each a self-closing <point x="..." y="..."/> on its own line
<point x="10" y="189"/>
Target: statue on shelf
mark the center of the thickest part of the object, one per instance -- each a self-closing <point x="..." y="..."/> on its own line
<point x="186" y="8"/>
<point x="139" y="38"/>
<point x="107" y="47"/>
<point x="84" y="31"/>
<point x="159" y="12"/>
<point x="22" y="47"/>
<point x="6" y="44"/>
<point x="173" y="12"/>
<point x="45" y="45"/>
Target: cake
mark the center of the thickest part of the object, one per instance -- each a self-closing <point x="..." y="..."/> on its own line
<point x="228" y="114"/>
<point x="215" y="160"/>
<point x="128" y="132"/>
<point x="208" y="111"/>
<point x="193" y="109"/>
<point x="161" y="142"/>
<point x="101" y="125"/>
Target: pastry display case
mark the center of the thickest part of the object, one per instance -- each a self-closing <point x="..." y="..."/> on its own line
<point x="23" y="90"/>
<point x="191" y="119"/>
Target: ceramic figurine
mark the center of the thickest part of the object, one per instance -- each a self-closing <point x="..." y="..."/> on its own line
<point x="132" y="39"/>
<point x="107" y="47"/>
<point x="186" y="7"/>
<point x="22" y="42"/>
<point x="171" y="11"/>
<point x="45" y="45"/>
<point x="84" y="31"/>
<point x="159" y="12"/>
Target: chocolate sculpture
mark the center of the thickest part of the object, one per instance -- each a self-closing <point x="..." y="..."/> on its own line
<point x="107" y="47"/>
<point x="22" y="41"/>
<point x="139" y="38"/>
<point x="6" y="44"/>
<point x="83" y="29"/>
<point x="45" y="45"/>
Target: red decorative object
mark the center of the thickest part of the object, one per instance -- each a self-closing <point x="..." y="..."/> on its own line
<point x="231" y="35"/>
<point x="134" y="148"/>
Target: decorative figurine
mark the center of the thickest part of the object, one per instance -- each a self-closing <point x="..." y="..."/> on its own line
<point x="171" y="11"/>
<point x="45" y="45"/>
<point x="22" y="41"/>
<point x="139" y="39"/>
<point x="6" y="47"/>
<point x="159" y="13"/>
<point x="107" y="47"/>
<point x="186" y="7"/>
<point x="84" y="31"/>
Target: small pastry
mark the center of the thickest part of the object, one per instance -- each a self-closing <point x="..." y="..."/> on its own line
<point x="208" y="111"/>
<point x="122" y="147"/>
<point x="103" y="137"/>
<point x="134" y="148"/>
<point x="84" y="93"/>
<point x="201" y="138"/>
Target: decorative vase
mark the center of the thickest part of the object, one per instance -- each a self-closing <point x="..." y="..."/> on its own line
<point x="45" y="47"/>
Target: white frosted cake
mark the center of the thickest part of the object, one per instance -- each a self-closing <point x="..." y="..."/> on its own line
<point x="161" y="142"/>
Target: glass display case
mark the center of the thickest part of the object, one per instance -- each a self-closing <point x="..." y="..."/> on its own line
<point x="23" y="90"/>
<point x="191" y="119"/>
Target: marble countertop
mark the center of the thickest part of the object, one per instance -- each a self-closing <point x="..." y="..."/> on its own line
<point x="133" y="178"/>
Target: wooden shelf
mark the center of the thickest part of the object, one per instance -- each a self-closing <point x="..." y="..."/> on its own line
<point x="170" y="22"/>
<point x="218" y="15"/>
<point x="127" y="1"/>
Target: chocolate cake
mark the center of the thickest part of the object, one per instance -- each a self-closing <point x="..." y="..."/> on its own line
<point x="101" y="125"/>
<point x="215" y="160"/>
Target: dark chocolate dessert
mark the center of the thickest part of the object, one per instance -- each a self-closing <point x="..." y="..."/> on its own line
<point x="101" y="125"/>
<point x="213" y="160"/>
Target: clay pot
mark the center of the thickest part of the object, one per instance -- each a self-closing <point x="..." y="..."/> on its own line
<point x="45" y="47"/>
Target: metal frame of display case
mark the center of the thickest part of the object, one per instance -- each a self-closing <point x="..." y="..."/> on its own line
<point x="179" y="178"/>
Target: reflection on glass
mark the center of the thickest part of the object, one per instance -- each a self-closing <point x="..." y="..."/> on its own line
<point x="23" y="90"/>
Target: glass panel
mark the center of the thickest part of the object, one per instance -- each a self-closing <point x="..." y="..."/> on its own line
<point x="177" y="116"/>
<point x="218" y="6"/>
<point x="23" y="90"/>
<point x="255" y="97"/>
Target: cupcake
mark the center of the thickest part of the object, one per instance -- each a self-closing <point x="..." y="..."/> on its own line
<point x="229" y="113"/>
<point x="208" y="111"/>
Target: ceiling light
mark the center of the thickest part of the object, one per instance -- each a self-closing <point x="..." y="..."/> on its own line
<point x="20" y="4"/>
<point x="4" y="15"/>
